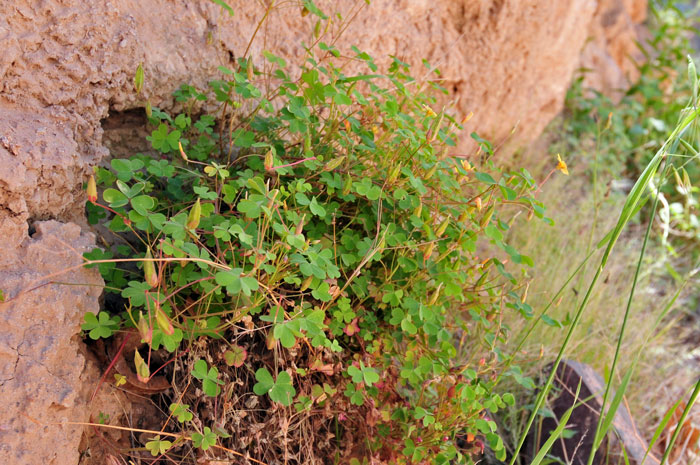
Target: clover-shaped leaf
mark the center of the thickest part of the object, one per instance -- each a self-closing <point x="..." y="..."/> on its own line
<point x="281" y="390"/>
<point x="101" y="326"/>
<point x="236" y="356"/>
<point x="204" y="441"/>
<point x="368" y="375"/>
<point x="210" y="378"/>
<point x="180" y="412"/>
<point x="157" y="446"/>
<point x="235" y="282"/>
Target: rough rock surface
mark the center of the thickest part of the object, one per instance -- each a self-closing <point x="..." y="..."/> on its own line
<point x="40" y="365"/>
<point x="611" y="51"/>
<point x="67" y="64"/>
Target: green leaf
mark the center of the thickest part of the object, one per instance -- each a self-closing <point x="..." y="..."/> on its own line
<point x="280" y="391"/>
<point x="265" y="381"/>
<point x="102" y="326"/>
<point x="181" y="412"/>
<point x="551" y="322"/>
<point x="210" y="378"/>
<point x="143" y="204"/>
<point x="235" y="282"/>
<point x="284" y="332"/>
<point x="317" y="209"/>
<point x="485" y="178"/>
<point x="321" y="292"/>
<point x="115" y="198"/>
<point x="283" y="392"/>
<point x="554" y="435"/>
<point x="311" y="7"/>
<point x="612" y="410"/>
<point x="250" y="208"/>
<point x="157" y="446"/>
<point x="204" y="441"/>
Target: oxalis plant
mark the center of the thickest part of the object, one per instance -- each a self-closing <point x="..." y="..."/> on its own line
<point x="316" y="255"/>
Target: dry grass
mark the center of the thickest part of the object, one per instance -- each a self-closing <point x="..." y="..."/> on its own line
<point x="666" y="368"/>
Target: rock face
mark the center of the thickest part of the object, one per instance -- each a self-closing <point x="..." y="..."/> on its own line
<point x="611" y="50"/>
<point x="40" y="365"/>
<point x="67" y="64"/>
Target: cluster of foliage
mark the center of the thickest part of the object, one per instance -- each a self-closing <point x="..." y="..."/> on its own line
<point x="620" y="136"/>
<point x="318" y="246"/>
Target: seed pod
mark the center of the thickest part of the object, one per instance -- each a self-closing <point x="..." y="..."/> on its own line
<point x="394" y="174"/>
<point x="149" y="109"/>
<point x="428" y="251"/>
<point x="149" y="270"/>
<point x="478" y="203"/>
<point x="92" y="189"/>
<point x="419" y="209"/>
<point x="443" y="227"/>
<point x="269" y="161"/>
<point x="481" y="279"/>
<point x="436" y="126"/>
<point x="381" y="245"/>
<point x="142" y="371"/>
<point x="348" y="185"/>
<point x="300" y="225"/>
<point x="334" y="163"/>
<point x="195" y="215"/>
<point x="271" y="202"/>
<point x="163" y="321"/>
<point x="145" y="330"/>
<point x="250" y="69"/>
<point x="270" y="341"/>
<point x="317" y="29"/>
<point x="182" y="152"/>
<point x="430" y="172"/>
<point x="487" y="217"/>
<point x="435" y="295"/>
<point x="138" y="79"/>
<point x="463" y="217"/>
<point x="307" y="144"/>
<point x="306" y="283"/>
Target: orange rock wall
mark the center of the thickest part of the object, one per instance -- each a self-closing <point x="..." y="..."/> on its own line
<point x="66" y="64"/>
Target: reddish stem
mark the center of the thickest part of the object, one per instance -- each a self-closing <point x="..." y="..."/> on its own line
<point x="111" y="365"/>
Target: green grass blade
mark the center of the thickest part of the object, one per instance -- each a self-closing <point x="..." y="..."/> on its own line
<point x="689" y="406"/>
<point x="610" y="415"/>
<point x="630" y="205"/>
<point x="660" y="429"/>
<point x="558" y="431"/>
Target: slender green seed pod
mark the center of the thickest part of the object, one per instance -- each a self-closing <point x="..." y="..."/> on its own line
<point x="163" y="321"/>
<point x="195" y="215"/>
<point x="442" y="228"/>
<point x="142" y="371"/>
<point x="149" y="270"/>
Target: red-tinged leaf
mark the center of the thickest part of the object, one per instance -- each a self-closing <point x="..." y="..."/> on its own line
<point x="236" y="356"/>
